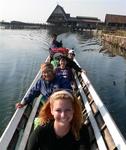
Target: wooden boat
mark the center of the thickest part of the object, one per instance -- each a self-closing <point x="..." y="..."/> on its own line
<point x="104" y="134"/>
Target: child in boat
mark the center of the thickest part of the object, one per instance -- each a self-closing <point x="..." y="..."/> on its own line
<point x="61" y="125"/>
<point x="45" y="85"/>
<point x="65" y="71"/>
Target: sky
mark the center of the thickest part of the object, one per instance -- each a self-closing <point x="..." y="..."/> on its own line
<point x="38" y="11"/>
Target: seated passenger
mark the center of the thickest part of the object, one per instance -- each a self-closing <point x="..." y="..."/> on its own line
<point x="64" y="71"/>
<point x="61" y="125"/>
<point x="55" y="43"/>
<point x="56" y="54"/>
<point x="55" y="59"/>
<point x="45" y="85"/>
<point x="71" y="54"/>
<point x="71" y="63"/>
<point x="55" y="62"/>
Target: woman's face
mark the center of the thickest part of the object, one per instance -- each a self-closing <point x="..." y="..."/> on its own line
<point x="62" y="111"/>
<point x="47" y="74"/>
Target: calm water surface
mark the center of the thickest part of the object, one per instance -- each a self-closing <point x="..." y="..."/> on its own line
<point x="22" y="51"/>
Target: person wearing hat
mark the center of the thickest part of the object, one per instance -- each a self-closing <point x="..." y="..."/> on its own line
<point x="71" y="63"/>
<point x="71" y="54"/>
<point x="48" y="83"/>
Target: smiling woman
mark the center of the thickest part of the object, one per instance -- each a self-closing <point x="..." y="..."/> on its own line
<point x="61" y="125"/>
<point x="47" y="71"/>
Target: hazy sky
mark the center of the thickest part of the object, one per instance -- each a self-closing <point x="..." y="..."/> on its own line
<point x="38" y="11"/>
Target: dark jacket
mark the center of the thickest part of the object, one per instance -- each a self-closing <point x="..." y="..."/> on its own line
<point x="72" y="64"/>
<point x="55" y="43"/>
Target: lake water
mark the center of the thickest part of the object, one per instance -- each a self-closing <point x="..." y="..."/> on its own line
<point x="22" y="51"/>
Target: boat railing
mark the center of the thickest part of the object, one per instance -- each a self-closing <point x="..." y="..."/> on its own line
<point x="14" y="122"/>
<point x="15" y="129"/>
<point x="102" y="117"/>
<point x="29" y="125"/>
<point x="100" y="142"/>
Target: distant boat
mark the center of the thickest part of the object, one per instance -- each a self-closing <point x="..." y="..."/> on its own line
<point x="104" y="134"/>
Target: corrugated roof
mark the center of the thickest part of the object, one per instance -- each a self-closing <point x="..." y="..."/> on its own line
<point x="83" y="20"/>
<point x="89" y="20"/>
<point x="110" y="18"/>
<point x="87" y="17"/>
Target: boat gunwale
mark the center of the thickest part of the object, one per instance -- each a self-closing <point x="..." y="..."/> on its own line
<point x="9" y="131"/>
<point x="116" y="134"/>
<point x="99" y="139"/>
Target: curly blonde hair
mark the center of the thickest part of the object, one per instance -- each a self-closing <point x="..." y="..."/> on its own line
<point x="46" y="116"/>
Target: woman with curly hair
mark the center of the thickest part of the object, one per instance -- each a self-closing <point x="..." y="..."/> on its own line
<point x="61" y="125"/>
